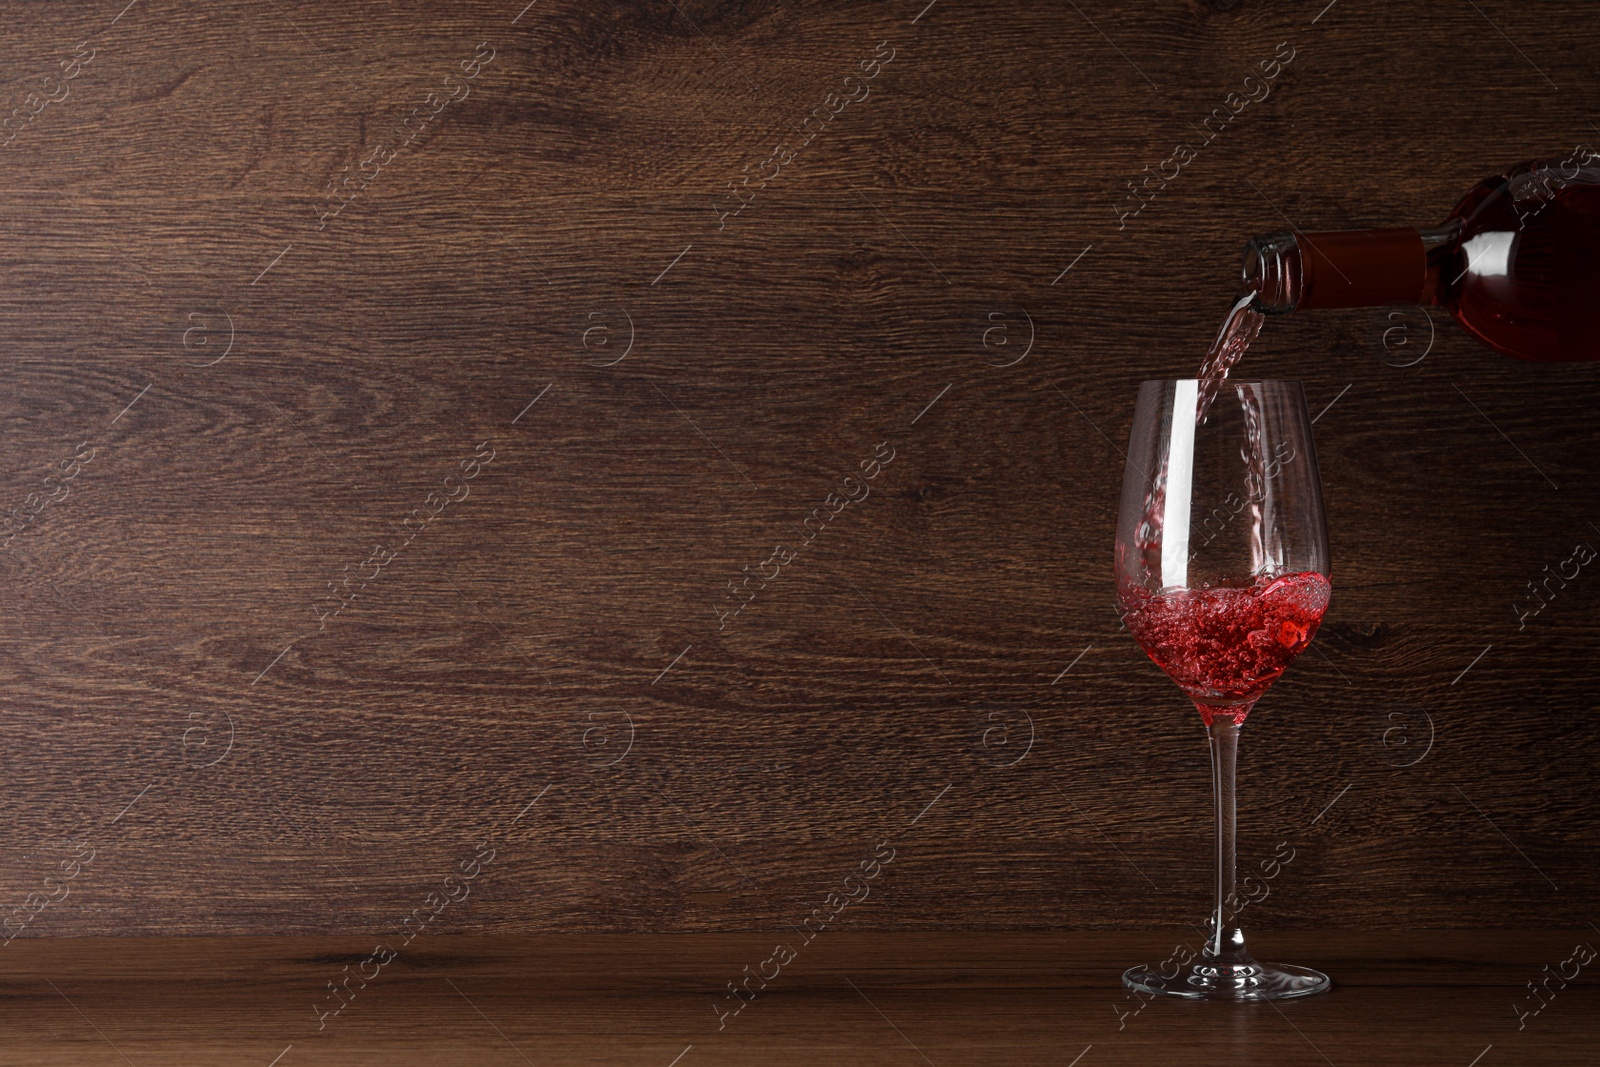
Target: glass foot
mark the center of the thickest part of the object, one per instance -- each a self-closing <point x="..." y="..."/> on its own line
<point x="1209" y="980"/>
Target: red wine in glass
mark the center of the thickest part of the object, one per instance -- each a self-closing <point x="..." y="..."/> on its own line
<point x="1224" y="647"/>
<point x="1222" y="574"/>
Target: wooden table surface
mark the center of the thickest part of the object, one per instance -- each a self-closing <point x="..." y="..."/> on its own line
<point x="1431" y="999"/>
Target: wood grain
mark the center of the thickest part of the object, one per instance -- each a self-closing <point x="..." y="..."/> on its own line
<point x="1437" y="998"/>
<point x="669" y="395"/>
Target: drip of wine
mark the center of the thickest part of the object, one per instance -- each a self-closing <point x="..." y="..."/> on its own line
<point x="1224" y="647"/>
<point x="1241" y="326"/>
<point x="1244" y="321"/>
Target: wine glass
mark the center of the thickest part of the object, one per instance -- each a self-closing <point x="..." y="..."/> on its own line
<point x="1222" y="576"/>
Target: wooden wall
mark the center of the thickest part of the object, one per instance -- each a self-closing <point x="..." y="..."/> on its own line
<point x="222" y="391"/>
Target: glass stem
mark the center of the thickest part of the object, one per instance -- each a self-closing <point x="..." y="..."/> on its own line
<point x="1227" y="938"/>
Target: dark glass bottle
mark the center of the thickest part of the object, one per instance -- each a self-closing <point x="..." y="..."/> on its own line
<point x="1517" y="263"/>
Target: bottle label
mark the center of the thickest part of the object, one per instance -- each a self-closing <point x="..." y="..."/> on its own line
<point x="1578" y="285"/>
<point x="1361" y="268"/>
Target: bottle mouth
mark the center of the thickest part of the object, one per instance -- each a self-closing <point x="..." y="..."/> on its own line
<point x="1268" y="271"/>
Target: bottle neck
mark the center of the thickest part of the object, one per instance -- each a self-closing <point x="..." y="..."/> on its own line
<point x="1343" y="268"/>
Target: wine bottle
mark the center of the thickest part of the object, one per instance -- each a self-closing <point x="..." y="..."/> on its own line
<point x="1517" y="263"/>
